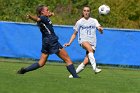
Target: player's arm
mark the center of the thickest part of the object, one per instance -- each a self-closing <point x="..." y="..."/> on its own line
<point x="34" y="18"/>
<point x="100" y="29"/>
<point x="50" y="14"/>
<point x="71" y="39"/>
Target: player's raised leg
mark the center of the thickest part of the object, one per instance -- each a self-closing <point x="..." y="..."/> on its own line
<point x="34" y="66"/>
<point x="90" y="50"/>
<point x="70" y="67"/>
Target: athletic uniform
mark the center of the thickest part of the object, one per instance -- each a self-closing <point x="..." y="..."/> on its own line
<point x="87" y="31"/>
<point x="50" y="44"/>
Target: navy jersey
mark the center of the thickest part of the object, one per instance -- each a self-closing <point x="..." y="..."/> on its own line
<point x="50" y="44"/>
<point x="46" y="29"/>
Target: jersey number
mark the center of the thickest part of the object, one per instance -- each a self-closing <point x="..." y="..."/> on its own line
<point x="89" y="32"/>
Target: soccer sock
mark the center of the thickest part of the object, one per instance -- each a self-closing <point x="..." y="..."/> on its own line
<point x="71" y="69"/>
<point x="34" y="66"/>
<point x="80" y="68"/>
<point x="92" y="60"/>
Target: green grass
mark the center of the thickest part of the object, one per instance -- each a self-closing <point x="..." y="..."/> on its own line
<point x="53" y="78"/>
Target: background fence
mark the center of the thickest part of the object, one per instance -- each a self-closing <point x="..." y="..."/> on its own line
<point x="115" y="46"/>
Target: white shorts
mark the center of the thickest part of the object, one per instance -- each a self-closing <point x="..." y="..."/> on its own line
<point x="93" y="47"/>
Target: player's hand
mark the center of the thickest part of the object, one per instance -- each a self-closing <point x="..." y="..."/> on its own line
<point x="50" y="14"/>
<point x="66" y="45"/>
<point x="100" y="30"/>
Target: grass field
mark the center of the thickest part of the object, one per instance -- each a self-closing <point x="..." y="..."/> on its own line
<point x="53" y="78"/>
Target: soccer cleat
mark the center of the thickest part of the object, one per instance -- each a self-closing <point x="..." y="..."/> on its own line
<point x="70" y="76"/>
<point x="21" y="71"/>
<point x="97" y="70"/>
<point x="77" y="77"/>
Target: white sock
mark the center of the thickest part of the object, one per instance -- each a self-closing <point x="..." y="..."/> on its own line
<point x="80" y="68"/>
<point x="92" y="60"/>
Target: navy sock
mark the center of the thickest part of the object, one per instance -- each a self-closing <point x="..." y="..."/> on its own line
<point x="34" y="66"/>
<point x="71" y="69"/>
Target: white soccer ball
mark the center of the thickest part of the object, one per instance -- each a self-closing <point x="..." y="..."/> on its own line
<point x="104" y="9"/>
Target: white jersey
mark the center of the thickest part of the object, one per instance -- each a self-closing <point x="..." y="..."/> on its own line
<point x="87" y="30"/>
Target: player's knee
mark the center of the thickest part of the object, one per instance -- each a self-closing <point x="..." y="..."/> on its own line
<point x="41" y="64"/>
<point x="86" y="62"/>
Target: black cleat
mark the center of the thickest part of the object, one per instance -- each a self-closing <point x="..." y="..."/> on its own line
<point x="21" y="71"/>
<point x="70" y="76"/>
<point x="77" y="77"/>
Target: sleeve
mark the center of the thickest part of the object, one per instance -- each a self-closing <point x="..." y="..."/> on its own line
<point x="97" y="23"/>
<point x="76" y="27"/>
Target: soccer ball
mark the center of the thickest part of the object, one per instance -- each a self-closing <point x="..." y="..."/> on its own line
<point x="104" y="9"/>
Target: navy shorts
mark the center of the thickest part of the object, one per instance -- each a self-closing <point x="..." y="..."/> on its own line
<point x="51" y="47"/>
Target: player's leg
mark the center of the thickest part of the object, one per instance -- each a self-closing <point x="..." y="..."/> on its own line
<point x="81" y="67"/>
<point x="88" y="47"/>
<point x="83" y="64"/>
<point x="70" y="67"/>
<point x="35" y="66"/>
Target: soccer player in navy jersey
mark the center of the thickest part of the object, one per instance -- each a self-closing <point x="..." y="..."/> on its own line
<point x="50" y="44"/>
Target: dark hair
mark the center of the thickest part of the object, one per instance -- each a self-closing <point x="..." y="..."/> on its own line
<point x="83" y="8"/>
<point x="39" y="9"/>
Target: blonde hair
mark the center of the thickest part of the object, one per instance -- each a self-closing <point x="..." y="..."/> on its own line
<point x="39" y="9"/>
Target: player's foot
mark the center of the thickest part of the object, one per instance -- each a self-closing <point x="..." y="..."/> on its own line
<point x="76" y="77"/>
<point x="70" y="76"/>
<point x="21" y="71"/>
<point x="97" y="70"/>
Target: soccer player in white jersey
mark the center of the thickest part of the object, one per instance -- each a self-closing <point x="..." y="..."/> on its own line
<point x="86" y="29"/>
